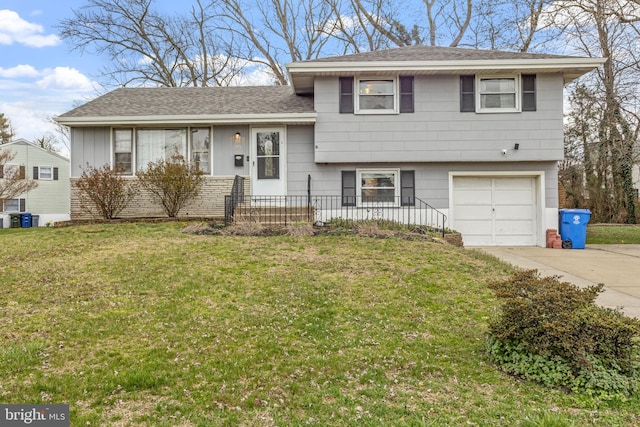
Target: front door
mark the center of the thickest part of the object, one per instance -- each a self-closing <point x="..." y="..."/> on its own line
<point x="268" y="167"/>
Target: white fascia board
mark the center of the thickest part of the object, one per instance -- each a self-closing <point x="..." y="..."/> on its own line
<point x="444" y="66"/>
<point x="301" y="118"/>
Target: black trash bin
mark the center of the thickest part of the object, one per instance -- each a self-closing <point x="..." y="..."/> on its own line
<point x="15" y="220"/>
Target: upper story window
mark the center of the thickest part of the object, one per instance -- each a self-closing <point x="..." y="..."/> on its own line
<point x="45" y="173"/>
<point x="10" y="171"/>
<point x="376" y="96"/>
<point x="498" y="94"/>
<point x="123" y="150"/>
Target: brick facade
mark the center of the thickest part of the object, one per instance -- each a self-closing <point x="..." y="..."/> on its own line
<point x="209" y="203"/>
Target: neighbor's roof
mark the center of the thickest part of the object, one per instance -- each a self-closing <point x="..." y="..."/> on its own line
<point x="237" y="104"/>
<point x="31" y="145"/>
<point x="426" y="60"/>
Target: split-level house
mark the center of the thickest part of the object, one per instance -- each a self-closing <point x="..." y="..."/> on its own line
<point x="472" y="135"/>
<point x="50" y="199"/>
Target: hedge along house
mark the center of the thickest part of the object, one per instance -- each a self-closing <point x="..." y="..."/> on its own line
<point x="476" y="134"/>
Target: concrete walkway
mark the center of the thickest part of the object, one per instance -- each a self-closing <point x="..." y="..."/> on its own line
<point x="617" y="266"/>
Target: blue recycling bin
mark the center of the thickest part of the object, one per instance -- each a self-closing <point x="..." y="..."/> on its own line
<point x="573" y="227"/>
<point x="25" y="220"/>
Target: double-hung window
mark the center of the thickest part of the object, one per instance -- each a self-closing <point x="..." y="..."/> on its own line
<point x="45" y="173"/>
<point x="377" y="96"/>
<point x="14" y="205"/>
<point x="378" y="186"/>
<point x="498" y="94"/>
<point x="123" y="151"/>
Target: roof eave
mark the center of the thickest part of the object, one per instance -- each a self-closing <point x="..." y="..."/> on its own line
<point x="570" y="67"/>
<point x="290" y="118"/>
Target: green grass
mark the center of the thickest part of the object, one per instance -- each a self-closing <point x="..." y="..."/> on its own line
<point x="613" y="234"/>
<point x="138" y="324"/>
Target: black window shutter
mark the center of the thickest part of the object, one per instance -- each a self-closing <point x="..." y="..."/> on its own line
<point x="55" y="174"/>
<point x="467" y="94"/>
<point x="406" y="94"/>
<point x="346" y="95"/>
<point x="22" y="205"/>
<point x="22" y="172"/>
<point x="35" y="172"/>
<point x="2" y="172"/>
<point x="408" y="188"/>
<point x="348" y="188"/>
<point x="528" y="92"/>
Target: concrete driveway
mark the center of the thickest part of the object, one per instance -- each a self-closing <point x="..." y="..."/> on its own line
<point x="617" y="266"/>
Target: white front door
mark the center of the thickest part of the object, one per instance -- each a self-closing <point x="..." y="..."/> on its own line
<point x="269" y="163"/>
<point x="495" y="211"/>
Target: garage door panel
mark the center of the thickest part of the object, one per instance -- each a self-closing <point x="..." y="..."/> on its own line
<point x="473" y="183"/>
<point x="513" y="227"/>
<point x="495" y="210"/>
<point x="513" y="183"/>
<point x="513" y="197"/>
<point x="474" y="197"/>
<point x="473" y="212"/>
<point x="513" y="212"/>
<point x="475" y="227"/>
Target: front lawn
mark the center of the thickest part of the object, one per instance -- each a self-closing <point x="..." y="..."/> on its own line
<point x="139" y="324"/>
<point x="613" y="234"/>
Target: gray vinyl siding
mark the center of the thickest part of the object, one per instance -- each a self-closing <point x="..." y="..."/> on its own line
<point x="224" y="149"/>
<point x="431" y="179"/>
<point x="438" y="131"/>
<point x="89" y="145"/>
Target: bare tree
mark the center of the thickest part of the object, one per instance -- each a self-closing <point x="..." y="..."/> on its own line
<point x="271" y="33"/>
<point x="595" y="28"/>
<point x="13" y="181"/>
<point x="148" y="47"/>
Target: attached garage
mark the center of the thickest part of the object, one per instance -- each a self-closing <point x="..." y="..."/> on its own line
<point x="496" y="210"/>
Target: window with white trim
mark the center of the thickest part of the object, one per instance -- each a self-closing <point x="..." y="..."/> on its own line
<point x="14" y="205"/>
<point x="377" y="96"/>
<point x="375" y="186"/>
<point x="498" y="94"/>
<point x="200" y="146"/>
<point x="45" y="173"/>
<point x="123" y="151"/>
<point x="153" y="145"/>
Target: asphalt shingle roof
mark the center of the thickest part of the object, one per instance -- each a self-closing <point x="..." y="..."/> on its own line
<point x="194" y="101"/>
<point x="433" y="53"/>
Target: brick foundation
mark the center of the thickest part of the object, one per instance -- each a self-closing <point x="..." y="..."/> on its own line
<point x="209" y="203"/>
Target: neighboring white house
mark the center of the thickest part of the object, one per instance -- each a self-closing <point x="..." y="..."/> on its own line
<point x="50" y="200"/>
<point x="475" y="134"/>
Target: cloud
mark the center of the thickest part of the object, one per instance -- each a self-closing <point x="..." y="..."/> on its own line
<point x="20" y="71"/>
<point x="14" y="29"/>
<point x="64" y="78"/>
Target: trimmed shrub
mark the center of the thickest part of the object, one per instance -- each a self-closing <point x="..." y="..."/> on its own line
<point x="552" y="332"/>
<point x="103" y="192"/>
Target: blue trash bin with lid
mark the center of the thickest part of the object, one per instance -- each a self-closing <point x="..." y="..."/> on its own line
<point x="573" y="227"/>
<point x="25" y="220"/>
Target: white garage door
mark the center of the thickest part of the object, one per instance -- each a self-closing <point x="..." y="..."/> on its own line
<point x="495" y="211"/>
